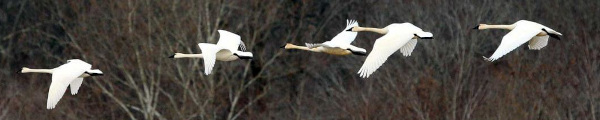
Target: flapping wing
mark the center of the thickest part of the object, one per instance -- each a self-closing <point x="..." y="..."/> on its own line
<point x="61" y="78"/>
<point x="346" y="37"/>
<point x="231" y="41"/>
<point x="538" y="42"/>
<point x="75" y="85"/>
<point x="209" y="53"/>
<point x="518" y="36"/>
<point x="383" y="48"/>
<point x="408" y="47"/>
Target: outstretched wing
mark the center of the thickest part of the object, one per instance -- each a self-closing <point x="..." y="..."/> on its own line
<point x="383" y="48"/>
<point x="209" y="53"/>
<point x="408" y="47"/>
<point x="346" y="37"/>
<point x="538" y="42"/>
<point x="61" y="78"/>
<point x="231" y="41"/>
<point x="518" y="36"/>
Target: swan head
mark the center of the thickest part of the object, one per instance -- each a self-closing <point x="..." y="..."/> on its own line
<point x="94" y="72"/>
<point x="25" y="70"/>
<point x="480" y="27"/>
<point x="243" y="55"/>
<point x="176" y="55"/>
<point x="74" y="60"/>
<point x="424" y="35"/>
<point x="288" y="46"/>
<point x="354" y="29"/>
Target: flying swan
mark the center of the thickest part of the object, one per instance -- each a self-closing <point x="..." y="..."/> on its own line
<point x="522" y="31"/>
<point x="339" y="45"/>
<point x="69" y="74"/>
<point x="225" y="50"/>
<point x="397" y="36"/>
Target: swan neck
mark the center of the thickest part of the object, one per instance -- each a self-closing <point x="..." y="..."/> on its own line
<point x="27" y="70"/>
<point x="507" y="27"/>
<point x="292" y="46"/>
<point x="188" y="56"/>
<point x="375" y="30"/>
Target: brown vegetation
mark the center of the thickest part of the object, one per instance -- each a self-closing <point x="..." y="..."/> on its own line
<point x="445" y="78"/>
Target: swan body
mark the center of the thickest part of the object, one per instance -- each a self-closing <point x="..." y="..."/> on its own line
<point x="397" y="36"/>
<point x="522" y="31"/>
<point x="338" y="45"/>
<point x="225" y="50"/>
<point x="69" y="74"/>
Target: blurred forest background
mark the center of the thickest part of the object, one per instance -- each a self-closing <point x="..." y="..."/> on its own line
<point x="445" y="78"/>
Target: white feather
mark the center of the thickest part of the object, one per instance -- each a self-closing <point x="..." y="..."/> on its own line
<point x="75" y="85"/>
<point x="346" y="37"/>
<point x="223" y="51"/>
<point x="209" y="52"/>
<point x="521" y="33"/>
<point x="62" y="76"/>
<point x="230" y="41"/>
<point x="342" y="40"/>
<point x="398" y="35"/>
<point x="408" y="47"/>
<point x="538" y="42"/>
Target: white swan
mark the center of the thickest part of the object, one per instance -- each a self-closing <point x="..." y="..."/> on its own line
<point x="69" y="74"/>
<point x="339" y="45"/>
<point x="225" y="50"/>
<point x="522" y="31"/>
<point x="398" y="36"/>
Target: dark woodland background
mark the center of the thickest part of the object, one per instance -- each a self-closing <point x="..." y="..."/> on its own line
<point x="445" y="78"/>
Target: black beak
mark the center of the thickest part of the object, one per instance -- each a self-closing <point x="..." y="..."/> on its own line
<point x="350" y="29"/>
<point x="476" y="27"/>
<point x="283" y="47"/>
<point x="172" y="56"/>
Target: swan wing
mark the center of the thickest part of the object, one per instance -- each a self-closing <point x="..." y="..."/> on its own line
<point x="328" y="44"/>
<point x="538" y="42"/>
<point x="209" y="53"/>
<point x="408" y="47"/>
<point x="231" y="41"/>
<point x="62" y="77"/>
<point x="518" y="36"/>
<point x="75" y="85"/>
<point x="346" y="37"/>
<point x="383" y="48"/>
<point x="313" y="45"/>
